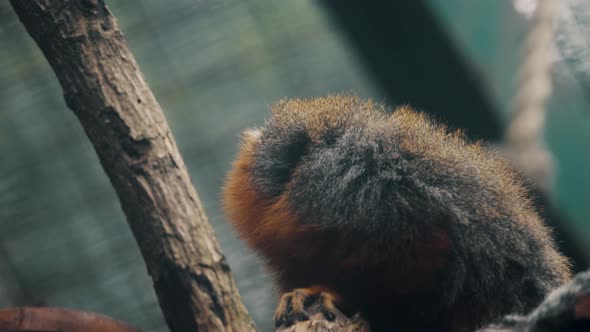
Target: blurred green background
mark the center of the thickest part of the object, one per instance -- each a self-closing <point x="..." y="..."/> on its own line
<point x="215" y="67"/>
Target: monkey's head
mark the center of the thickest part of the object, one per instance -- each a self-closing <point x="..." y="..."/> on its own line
<point x="341" y="161"/>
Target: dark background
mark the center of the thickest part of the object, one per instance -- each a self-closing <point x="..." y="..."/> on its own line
<point x="216" y="66"/>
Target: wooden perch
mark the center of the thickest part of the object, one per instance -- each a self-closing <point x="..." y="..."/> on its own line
<point x="27" y="319"/>
<point x="105" y="88"/>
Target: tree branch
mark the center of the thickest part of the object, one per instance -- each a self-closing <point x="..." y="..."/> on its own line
<point x="105" y="88"/>
<point x="58" y="319"/>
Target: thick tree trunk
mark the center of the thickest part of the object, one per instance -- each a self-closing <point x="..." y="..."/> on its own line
<point x="105" y="88"/>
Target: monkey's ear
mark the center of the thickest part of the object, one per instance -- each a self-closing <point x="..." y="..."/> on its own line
<point x="277" y="155"/>
<point x="251" y="134"/>
<point x="250" y="139"/>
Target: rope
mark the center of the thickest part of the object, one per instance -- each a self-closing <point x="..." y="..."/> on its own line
<point x="524" y="136"/>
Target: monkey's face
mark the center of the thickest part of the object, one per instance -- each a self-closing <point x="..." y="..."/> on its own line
<point x="260" y="218"/>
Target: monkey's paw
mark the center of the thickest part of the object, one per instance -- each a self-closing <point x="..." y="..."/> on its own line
<point x="299" y="305"/>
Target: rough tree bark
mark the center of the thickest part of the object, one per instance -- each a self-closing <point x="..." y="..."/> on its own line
<point x="105" y="88"/>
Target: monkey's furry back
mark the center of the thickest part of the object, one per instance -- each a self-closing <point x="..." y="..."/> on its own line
<point x="344" y="163"/>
